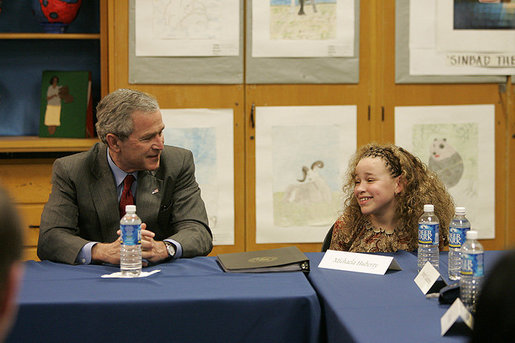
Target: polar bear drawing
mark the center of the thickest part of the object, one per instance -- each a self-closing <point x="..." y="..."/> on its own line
<point x="446" y="162"/>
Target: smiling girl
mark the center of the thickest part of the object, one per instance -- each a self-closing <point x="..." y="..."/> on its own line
<point x="386" y="189"/>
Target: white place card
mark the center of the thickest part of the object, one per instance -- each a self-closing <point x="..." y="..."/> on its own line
<point x="118" y="275"/>
<point x="427" y="277"/>
<point x="454" y="312"/>
<point x="358" y="262"/>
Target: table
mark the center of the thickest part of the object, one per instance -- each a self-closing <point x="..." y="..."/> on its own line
<point x="361" y="307"/>
<point x="190" y="300"/>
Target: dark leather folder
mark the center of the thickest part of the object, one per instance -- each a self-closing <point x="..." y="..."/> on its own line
<point x="286" y="259"/>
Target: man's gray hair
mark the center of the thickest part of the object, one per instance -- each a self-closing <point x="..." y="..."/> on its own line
<point x="115" y="109"/>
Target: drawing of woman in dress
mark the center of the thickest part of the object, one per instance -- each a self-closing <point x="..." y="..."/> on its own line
<point x="53" y="108"/>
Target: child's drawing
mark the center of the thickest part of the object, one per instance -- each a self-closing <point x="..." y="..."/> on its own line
<point x="293" y="19"/>
<point x="458" y="143"/>
<point x="451" y="151"/>
<point x="446" y="162"/>
<point x="301" y="154"/>
<point x="188" y="19"/>
<point x="306" y="175"/>
<point x="301" y="10"/>
<point x="202" y="143"/>
<point x="209" y="135"/>
<point x="312" y="188"/>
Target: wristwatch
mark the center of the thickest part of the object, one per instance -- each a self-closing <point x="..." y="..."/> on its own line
<point x="170" y="248"/>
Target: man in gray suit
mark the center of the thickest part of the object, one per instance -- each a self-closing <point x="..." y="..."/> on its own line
<point x="81" y="219"/>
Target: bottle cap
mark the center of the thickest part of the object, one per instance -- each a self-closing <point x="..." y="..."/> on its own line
<point x="460" y="210"/>
<point x="130" y="208"/>
<point x="429" y="208"/>
<point x="471" y="234"/>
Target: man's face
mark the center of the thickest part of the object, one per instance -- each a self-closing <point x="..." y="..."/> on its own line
<point x="142" y="149"/>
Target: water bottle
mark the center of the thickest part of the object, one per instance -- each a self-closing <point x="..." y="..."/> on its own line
<point x="457" y="231"/>
<point x="130" y="250"/>
<point x="472" y="272"/>
<point x="428" y="238"/>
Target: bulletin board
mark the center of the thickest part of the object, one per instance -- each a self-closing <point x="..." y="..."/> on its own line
<point x="296" y="70"/>
<point x="184" y="70"/>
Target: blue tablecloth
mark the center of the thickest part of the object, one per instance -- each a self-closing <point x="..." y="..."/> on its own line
<point x="190" y="300"/>
<point x="361" y="307"/>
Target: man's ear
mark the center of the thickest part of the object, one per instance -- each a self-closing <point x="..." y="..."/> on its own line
<point x="113" y="142"/>
<point x="8" y="298"/>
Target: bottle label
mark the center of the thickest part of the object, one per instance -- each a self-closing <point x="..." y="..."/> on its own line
<point x="131" y="234"/>
<point x="457" y="236"/>
<point x="472" y="264"/>
<point x="428" y="234"/>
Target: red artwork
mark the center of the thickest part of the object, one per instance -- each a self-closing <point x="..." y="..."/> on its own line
<point x="60" y="11"/>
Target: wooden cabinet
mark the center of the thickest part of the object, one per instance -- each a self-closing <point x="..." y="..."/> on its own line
<point x="25" y="170"/>
<point x="28" y="182"/>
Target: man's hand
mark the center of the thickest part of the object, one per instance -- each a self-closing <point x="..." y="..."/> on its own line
<point x="106" y="252"/>
<point x="152" y="250"/>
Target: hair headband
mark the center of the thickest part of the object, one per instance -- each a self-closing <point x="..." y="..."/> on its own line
<point x="386" y="154"/>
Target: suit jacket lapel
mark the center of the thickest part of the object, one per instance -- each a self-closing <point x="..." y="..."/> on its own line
<point x="148" y="198"/>
<point x="103" y="193"/>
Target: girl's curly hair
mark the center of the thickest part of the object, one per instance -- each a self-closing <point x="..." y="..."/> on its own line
<point x="420" y="186"/>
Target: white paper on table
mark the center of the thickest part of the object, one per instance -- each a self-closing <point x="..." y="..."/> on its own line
<point x="118" y="275"/>
<point x="358" y="262"/>
<point x="427" y="277"/>
<point x="456" y="310"/>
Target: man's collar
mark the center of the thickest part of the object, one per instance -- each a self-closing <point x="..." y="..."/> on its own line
<point x="118" y="174"/>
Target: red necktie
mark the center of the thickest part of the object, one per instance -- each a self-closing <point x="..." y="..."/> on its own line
<point x="126" y="198"/>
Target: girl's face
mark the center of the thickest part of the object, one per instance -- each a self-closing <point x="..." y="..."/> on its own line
<point x="375" y="188"/>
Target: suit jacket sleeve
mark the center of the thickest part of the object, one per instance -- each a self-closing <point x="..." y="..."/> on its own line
<point x="59" y="238"/>
<point x="184" y="209"/>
